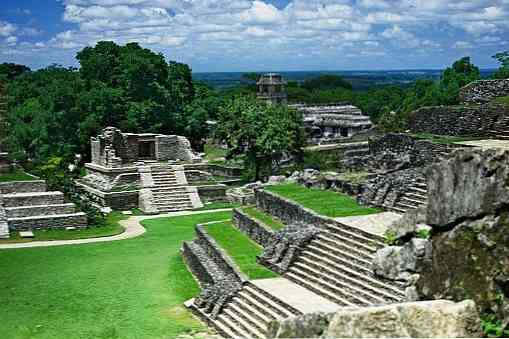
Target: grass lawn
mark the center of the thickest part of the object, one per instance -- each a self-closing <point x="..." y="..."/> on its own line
<point x="112" y="227"/>
<point x="264" y="217"/>
<point x="213" y="152"/>
<point x="328" y="203"/>
<point x="241" y="249"/>
<point x="217" y="206"/>
<point x="16" y="175"/>
<point x="443" y="139"/>
<point x="125" y="289"/>
<point x="503" y="100"/>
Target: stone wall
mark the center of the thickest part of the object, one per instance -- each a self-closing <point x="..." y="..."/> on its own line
<point x="45" y="198"/>
<point x="286" y="210"/>
<point x="22" y="187"/>
<point x="122" y="201"/>
<point x="291" y="213"/>
<point x="29" y="211"/>
<point x="473" y="120"/>
<point x="482" y="91"/>
<point x="173" y="147"/>
<point x="43" y="222"/>
<point x="213" y="193"/>
<point x="253" y="228"/>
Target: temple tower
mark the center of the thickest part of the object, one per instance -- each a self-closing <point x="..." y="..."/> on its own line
<point x="272" y="89"/>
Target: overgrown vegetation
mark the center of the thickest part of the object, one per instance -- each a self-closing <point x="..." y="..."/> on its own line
<point x="267" y="219"/>
<point x="328" y="203"/>
<point x="241" y="249"/>
<point x="124" y="289"/>
<point x="492" y="327"/>
<point x="15" y="175"/>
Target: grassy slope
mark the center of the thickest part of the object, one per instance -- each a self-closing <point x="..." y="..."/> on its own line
<point x="15" y="176"/>
<point x="264" y="217"/>
<point x="126" y="289"/>
<point x="217" y="206"/>
<point x="112" y="227"/>
<point x="241" y="249"/>
<point x="326" y="203"/>
<point x="443" y="139"/>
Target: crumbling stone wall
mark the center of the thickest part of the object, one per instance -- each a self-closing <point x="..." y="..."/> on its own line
<point x="473" y="120"/>
<point x="254" y="229"/>
<point x="482" y="91"/>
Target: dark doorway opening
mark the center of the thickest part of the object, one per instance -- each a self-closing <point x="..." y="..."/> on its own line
<point x="146" y="150"/>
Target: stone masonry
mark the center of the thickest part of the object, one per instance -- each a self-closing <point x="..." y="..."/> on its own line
<point x="482" y="91"/>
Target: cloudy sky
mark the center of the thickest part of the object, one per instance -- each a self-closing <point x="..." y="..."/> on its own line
<point x="246" y="35"/>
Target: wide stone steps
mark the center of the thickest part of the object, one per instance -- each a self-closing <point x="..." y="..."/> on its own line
<point x="360" y="274"/>
<point x="57" y="221"/>
<point x="363" y="285"/>
<point x="23" y="211"/>
<point x="372" y="241"/>
<point x="339" y="238"/>
<point x="334" y="246"/>
<point x="33" y="198"/>
<point x="249" y="314"/>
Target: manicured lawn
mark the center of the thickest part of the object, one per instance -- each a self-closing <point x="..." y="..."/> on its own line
<point x="264" y="217"/>
<point x="503" y="100"/>
<point x="125" y="289"/>
<point x="16" y="175"/>
<point x="217" y="206"/>
<point x="443" y="139"/>
<point x="323" y="202"/>
<point x="112" y="227"/>
<point x="241" y="249"/>
<point x="213" y="152"/>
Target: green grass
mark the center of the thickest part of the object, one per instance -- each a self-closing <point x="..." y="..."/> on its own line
<point x="444" y="139"/>
<point x="213" y="152"/>
<point x="111" y="227"/>
<point x="328" y="203"/>
<point x="124" y="289"/>
<point x="241" y="249"/>
<point x="264" y="217"/>
<point x="217" y="206"/>
<point x="16" y="175"/>
<point x="502" y="100"/>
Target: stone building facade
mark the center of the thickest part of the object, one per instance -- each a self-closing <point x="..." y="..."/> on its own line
<point x="4" y="161"/>
<point x="272" y="89"/>
<point x="329" y="123"/>
<point x="114" y="149"/>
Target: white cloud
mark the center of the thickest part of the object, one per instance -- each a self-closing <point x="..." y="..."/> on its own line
<point x="7" y="28"/>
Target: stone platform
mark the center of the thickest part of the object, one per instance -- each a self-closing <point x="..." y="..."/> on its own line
<point x="486" y="144"/>
<point x="295" y="295"/>
<point x="373" y="223"/>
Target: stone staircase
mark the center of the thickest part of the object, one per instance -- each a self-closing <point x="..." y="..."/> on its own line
<point x="503" y="133"/>
<point x="4" y="226"/>
<point x="28" y="206"/>
<point x="337" y="266"/>
<point x="248" y="314"/>
<point x="170" y="190"/>
<point x="415" y="196"/>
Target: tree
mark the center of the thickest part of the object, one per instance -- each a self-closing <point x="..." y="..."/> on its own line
<point x="454" y="78"/>
<point x="9" y="71"/>
<point x="326" y="82"/>
<point x="503" y="71"/>
<point x="262" y="133"/>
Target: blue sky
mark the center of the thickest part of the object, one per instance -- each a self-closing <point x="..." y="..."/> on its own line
<point x="247" y="35"/>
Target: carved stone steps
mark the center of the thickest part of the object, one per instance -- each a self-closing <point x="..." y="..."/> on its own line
<point x="340" y="248"/>
<point x="359" y="246"/>
<point x="363" y="284"/>
<point x="360" y="274"/>
<point x="248" y="314"/>
<point x="354" y="234"/>
<point x="33" y="198"/>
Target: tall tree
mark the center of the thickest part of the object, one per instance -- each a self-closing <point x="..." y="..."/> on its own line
<point x="262" y="133"/>
<point x="503" y="71"/>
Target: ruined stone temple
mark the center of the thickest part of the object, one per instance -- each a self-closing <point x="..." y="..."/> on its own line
<point x="272" y="89"/>
<point x="329" y="123"/>
<point x="4" y="162"/>
<point x="154" y="172"/>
